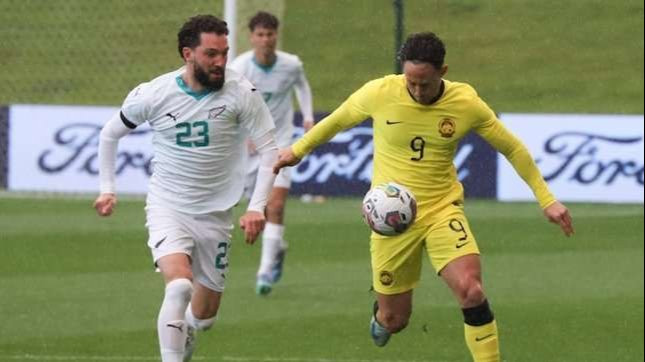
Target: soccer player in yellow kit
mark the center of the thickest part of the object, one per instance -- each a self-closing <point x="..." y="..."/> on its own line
<point x="418" y="120"/>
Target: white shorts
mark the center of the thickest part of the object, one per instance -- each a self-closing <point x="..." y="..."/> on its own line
<point x="283" y="179"/>
<point x="205" y="238"/>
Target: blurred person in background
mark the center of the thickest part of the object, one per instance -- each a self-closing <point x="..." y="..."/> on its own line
<point x="418" y="120"/>
<point x="277" y="75"/>
<point x="200" y="117"/>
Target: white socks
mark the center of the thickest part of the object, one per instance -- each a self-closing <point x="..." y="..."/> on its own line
<point x="198" y="324"/>
<point x="171" y="325"/>
<point x="272" y="243"/>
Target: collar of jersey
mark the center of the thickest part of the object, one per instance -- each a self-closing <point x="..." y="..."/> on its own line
<point x="265" y="68"/>
<point x="190" y="92"/>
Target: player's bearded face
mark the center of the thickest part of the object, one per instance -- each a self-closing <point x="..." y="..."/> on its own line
<point x="209" y="60"/>
<point x="210" y="77"/>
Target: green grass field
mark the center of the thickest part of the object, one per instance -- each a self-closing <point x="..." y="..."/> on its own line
<point x="74" y="287"/>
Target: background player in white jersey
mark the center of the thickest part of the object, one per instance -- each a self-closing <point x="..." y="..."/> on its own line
<point x="277" y="75"/>
<point x="200" y="117"/>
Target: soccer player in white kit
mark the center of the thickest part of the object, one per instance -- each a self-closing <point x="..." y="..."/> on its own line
<point x="200" y="116"/>
<point x="277" y="75"/>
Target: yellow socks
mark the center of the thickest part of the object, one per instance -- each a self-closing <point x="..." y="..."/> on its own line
<point x="482" y="342"/>
<point x="480" y="330"/>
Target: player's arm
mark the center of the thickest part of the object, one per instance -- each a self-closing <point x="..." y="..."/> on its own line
<point x="253" y="221"/>
<point x="112" y="132"/>
<point x="305" y="100"/>
<point x="353" y="111"/>
<point x="322" y="132"/>
<point x="134" y="111"/>
<point x="256" y="118"/>
<point x="494" y="132"/>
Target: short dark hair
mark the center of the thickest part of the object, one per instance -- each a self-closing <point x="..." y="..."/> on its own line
<point x="189" y="34"/>
<point x="423" y="47"/>
<point x="265" y="20"/>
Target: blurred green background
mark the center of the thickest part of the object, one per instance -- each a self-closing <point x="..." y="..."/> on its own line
<point x="582" y="56"/>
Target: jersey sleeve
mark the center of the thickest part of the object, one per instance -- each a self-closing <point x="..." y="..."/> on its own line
<point x="303" y="94"/>
<point x="353" y="111"/>
<point x="498" y="136"/>
<point x="109" y="138"/>
<point x="136" y="106"/>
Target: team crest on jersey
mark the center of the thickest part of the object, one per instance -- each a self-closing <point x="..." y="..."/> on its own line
<point x="447" y="128"/>
<point x="214" y="112"/>
<point x="386" y="278"/>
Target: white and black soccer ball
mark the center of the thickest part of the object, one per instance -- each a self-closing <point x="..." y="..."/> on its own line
<point x="389" y="209"/>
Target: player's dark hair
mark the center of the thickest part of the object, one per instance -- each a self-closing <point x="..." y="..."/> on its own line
<point x="189" y="34"/>
<point x="424" y="48"/>
<point x="265" y="20"/>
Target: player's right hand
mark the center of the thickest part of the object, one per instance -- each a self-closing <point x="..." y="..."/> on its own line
<point x="285" y="158"/>
<point x="105" y="204"/>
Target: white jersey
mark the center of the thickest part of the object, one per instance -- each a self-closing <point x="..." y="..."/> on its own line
<point x="198" y="139"/>
<point x="276" y="83"/>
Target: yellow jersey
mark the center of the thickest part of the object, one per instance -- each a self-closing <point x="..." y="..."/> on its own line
<point x="414" y="144"/>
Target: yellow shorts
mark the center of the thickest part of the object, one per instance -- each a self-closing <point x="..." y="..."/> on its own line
<point x="396" y="260"/>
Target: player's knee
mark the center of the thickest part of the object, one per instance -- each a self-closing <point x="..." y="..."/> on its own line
<point x="394" y="322"/>
<point x="177" y="273"/>
<point x="471" y="292"/>
<point x="475" y="294"/>
<point x="174" y="267"/>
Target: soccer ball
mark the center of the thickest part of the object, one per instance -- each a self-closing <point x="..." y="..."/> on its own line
<point x="389" y="209"/>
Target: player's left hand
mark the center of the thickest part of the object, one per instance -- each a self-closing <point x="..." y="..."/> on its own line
<point x="252" y="222"/>
<point x="559" y="214"/>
